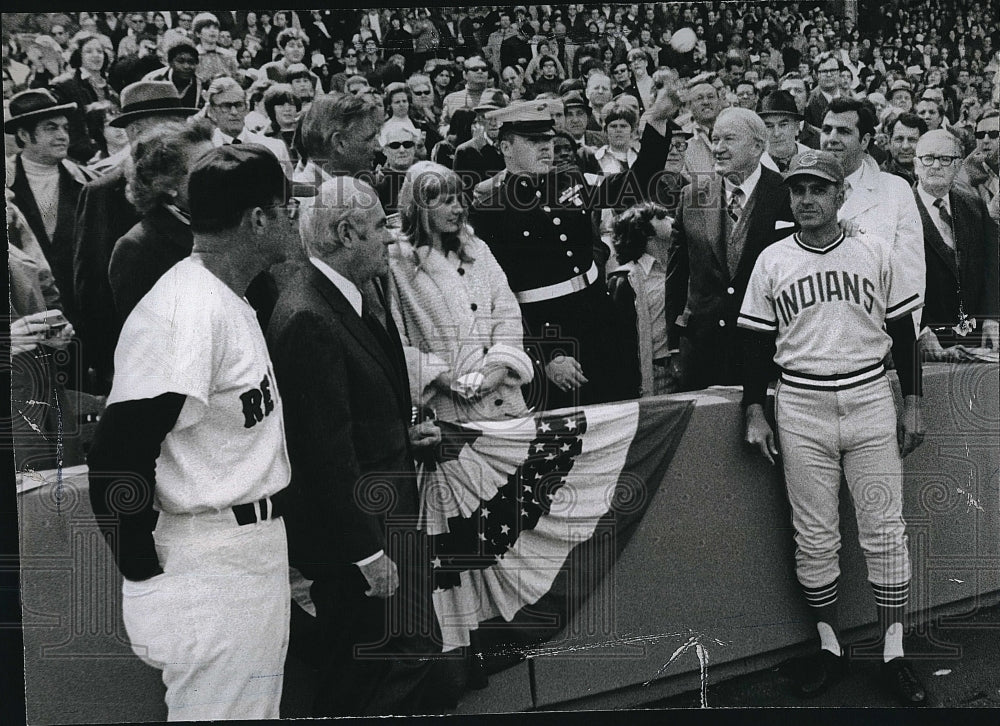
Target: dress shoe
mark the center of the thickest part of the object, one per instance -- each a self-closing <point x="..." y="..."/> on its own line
<point x="819" y="672"/>
<point x="903" y="683"/>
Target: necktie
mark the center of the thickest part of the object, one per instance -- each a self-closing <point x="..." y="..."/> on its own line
<point x="735" y="205"/>
<point x="235" y="141"/>
<point x="949" y="236"/>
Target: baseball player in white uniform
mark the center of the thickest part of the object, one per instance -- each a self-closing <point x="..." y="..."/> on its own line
<point x="828" y="306"/>
<point x="195" y="419"/>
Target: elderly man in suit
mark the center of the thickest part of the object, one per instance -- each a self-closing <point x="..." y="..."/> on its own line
<point x="722" y="224"/>
<point x="353" y="512"/>
<point x="227" y="109"/>
<point x="960" y="242"/>
<point x="103" y="214"/>
<point x="478" y="158"/>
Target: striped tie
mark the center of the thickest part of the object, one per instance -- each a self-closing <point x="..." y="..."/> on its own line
<point x="735" y="205"/>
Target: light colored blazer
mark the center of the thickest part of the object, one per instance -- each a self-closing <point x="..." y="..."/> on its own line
<point x="459" y="323"/>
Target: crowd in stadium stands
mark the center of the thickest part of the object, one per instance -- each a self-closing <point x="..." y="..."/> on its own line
<point x="619" y="117"/>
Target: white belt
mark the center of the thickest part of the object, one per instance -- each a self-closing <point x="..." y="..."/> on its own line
<point x="560" y="289"/>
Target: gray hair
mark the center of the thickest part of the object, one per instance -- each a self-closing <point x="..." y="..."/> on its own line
<point x="329" y="113"/>
<point x="159" y="162"/>
<point x="340" y="199"/>
<point x="939" y="135"/>
<point x="753" y="123"/>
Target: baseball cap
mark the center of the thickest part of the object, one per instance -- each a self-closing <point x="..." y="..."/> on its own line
<point x="231" y="179"/>
<point x="822" y="164"/>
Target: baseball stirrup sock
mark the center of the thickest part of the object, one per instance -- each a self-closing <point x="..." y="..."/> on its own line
<point x="823" y="602"/>
<point x="890" y="600"/>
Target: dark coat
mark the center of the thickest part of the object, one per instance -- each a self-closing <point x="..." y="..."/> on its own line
<point x="540" y="231"/>
<point x="976" y="269"/>
<point x="353" y="492"/>
<point x="475" y="160"/>
<point x="699" y="288"/>
<point x="143" y="254"/>
<point x="71" y="88"/>
<point x="816" y="109"/>
<point x="103" y="215"/>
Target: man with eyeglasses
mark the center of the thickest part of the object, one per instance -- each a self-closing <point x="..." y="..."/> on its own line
<point x="227" y="109"/>
<point x="828" y="70"/>
<point x="476" y="78"/>
<point x="621" y="78"/>
<point x="960" y="244"/>
<point x="979" y="169"/>
<point x="194" y="421"/>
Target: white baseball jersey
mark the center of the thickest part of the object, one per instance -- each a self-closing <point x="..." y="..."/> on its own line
<point x="828" y="306"/>
<point x="191" y="334"/>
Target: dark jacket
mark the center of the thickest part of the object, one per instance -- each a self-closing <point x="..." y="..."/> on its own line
<point x="476" y="160"/>
<point x="71" y="88"/>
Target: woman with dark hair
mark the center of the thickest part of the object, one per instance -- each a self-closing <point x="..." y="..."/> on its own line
<point x="397" y="40"/>
<point x="641" y="241"/>
<point x="459" y="131"/>
<point x="111" y="141"/>
<point x="157" y="187"/>
<point x="459" y="320"/>
<point x="87" y="83"/>
<point x="282" y="106"/>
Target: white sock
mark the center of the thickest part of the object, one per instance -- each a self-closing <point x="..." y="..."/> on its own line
<point x="828" y="638"/>
<point x="893" y="642"/>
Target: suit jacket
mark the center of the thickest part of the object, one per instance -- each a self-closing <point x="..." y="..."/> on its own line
<point x="346" y="418"/>
<point x="700" y="291"/>
<point x="58" y="249"/>
<point x="476" y="160"/>
<point x="103" y="214"/>
<point x="143" y="254"/>
<point x="977" y="268"/>
<point x="816" y="108"/>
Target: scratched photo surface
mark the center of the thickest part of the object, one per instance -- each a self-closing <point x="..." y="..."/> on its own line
<point x="568" y="358"/>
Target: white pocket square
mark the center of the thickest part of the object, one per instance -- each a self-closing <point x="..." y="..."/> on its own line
<point x="782" y="224"/>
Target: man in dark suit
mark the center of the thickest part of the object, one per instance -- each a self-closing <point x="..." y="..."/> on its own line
<point x="960" y="247"/>
<point x="478" y="158"/>
<point x="352" y="521"/>
<point x="723" y="223"/>
<point x="103" y="214"/>
<point x="827" y="88"/>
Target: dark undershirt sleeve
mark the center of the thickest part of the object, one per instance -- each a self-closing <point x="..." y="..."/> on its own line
<point x="904" y="355"/>
<point x="758" y="356"/>
<point x="122" y="464"/>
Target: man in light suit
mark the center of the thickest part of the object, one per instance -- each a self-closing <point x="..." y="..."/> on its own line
<point x="878" y="203"/>
<point x="722" y="224"/>
<point x="960" y="242"/>
<point x="352" y="520"/>
<point x="227" y="109"/>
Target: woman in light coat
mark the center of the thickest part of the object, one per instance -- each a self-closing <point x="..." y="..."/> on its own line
<point x="460" y="322"/>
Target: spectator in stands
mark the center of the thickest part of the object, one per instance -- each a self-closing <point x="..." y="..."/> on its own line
<point x="182" y="64"/>
<point x="157" y="188"/>
<point x="257" y="120"/>
<point x="459" y="320"/>
<point x="642" y="80"/>
<point x="422" y="95"/>
<point x="478" y="158"/>
<point x="746" y="95"/>
<point x="213" y="61"/>
<point x="931" y="112"/>
<point x="303" y="82"/>
<point x="292" y="43"/>
<point x="45" y="57"/>
<point x="399" y="145"/>
<point x="476" y="77"/>
<point x="783" y="120"/>
<point x="282" y="106"/>
<point x="642" y="240"/>
<point x="460" y="130"/>
<point x="828" y="87"/>
<point x="960" y="244"/>
<point x="620" y="126"/>
<point x="598" y="93"/>
<point x="901" y="95"/>
<point x="111" y="141"/>
<point x="227" y="108"/>
<point x="578" y="119"/>
<point x="86" y="83"/>
<point x="979" y="169"/>
<point x="703" y="106"/>
<point x="904" y="133"/>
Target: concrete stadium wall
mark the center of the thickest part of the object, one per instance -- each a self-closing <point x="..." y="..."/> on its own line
<point x="709" y="566"/>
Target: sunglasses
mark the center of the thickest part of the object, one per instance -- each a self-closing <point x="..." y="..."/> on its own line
<point x="481" y="69"/>
<point x="352" y="55"/>
<point x="397" y="145"/>
<point x="679" y="145"/>
<point x="421" y="93"/>
<point x="991" y="134"/>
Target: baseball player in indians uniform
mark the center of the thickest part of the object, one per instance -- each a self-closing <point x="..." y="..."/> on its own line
<point x="828" y="306"/>
<point x="190" y="455"/>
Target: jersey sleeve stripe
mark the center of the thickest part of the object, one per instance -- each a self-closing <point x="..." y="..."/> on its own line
<point x="749" y="321"/>
<point x="903" y="307"/>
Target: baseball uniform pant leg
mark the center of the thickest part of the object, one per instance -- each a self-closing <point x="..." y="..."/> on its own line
<point x="809" y="435"/>
<point x="874" y="472"/>
<point x="216" y="621"/>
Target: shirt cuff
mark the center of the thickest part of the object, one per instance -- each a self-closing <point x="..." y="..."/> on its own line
<point x="370" y="559"/>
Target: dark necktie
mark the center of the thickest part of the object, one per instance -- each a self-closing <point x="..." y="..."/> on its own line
<point x="735" y="205"/>
<point x="943" y="211"/>
<point x="235" y="141"/>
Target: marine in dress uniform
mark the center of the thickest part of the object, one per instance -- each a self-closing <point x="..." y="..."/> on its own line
<point x="537" y="223"/>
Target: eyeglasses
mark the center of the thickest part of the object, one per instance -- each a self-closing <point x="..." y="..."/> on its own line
<point x="397" y="145"/>
<point x="291" y="207"/>
<point x="829" y="70"/>
<point x="231" y="107"/>
<point x="679" y="145"/>
<point x="421" y="93"/>
<point x="992" y="134"/>
<point x="352" y="55"/>
<point x="945" y="160"/>
<point x="480" y="69"/>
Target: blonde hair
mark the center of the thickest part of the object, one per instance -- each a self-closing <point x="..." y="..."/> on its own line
<point x="427" y="184"/>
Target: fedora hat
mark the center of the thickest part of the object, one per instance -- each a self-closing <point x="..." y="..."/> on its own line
<point x="150" y="98"/>
<point x="31" y="106"/>
<point x="779" y="102"/>
<point x="491" y="100"/>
